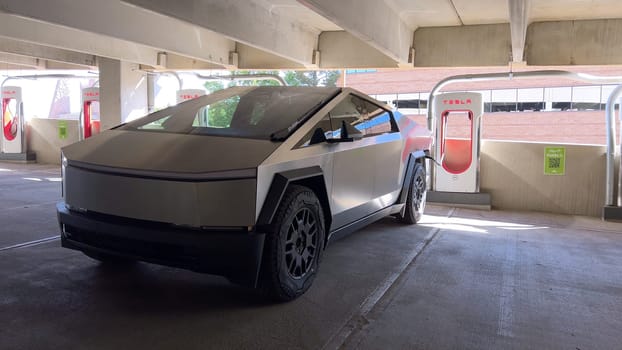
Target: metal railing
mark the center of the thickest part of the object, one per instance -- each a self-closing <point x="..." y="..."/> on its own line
<point x="232" y="77"/>
<point x="260" y="76"/>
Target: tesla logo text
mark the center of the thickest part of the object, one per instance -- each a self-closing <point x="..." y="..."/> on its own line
<point x="9" y="92"/>
<point x="188" y="97"/>
<point x="91" y="94"/>
<point x="457" y="102"/>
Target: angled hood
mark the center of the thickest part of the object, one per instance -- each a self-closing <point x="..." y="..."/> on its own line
<point x="169" y="152"/>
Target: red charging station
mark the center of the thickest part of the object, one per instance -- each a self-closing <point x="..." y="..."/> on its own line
<point x="189" y="94"/>
<point x="89" y="118"/>
<point x="12" y="120"/>
<point x="457" y="147"/>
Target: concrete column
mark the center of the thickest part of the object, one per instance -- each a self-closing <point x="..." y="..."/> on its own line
<point x="150" y="92"/>
<point x="123" y="92"/>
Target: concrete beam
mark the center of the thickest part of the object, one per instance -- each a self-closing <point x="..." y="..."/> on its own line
<point x="10" y="66"/>
<point x="374" y="22"/>
<point x="19" y="60"/>
<point x="48" y="53"/>
<point x="26" y="62"/>
<point x="589" y="42"/>
<point x="177" y="62"/>
<point x="37" y="32"/>
<point x="341" y="49"/>
<point x="64" y="66"/>
<point x="519" y="20"/>
<point x="127" y="24"/>
<point x="463" y="46"/>
<point x="252" y="23"/>
<point x="252" y="58"/>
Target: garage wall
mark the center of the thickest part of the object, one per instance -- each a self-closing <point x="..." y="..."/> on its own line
<point x="513" y="173"/>
<point x="44" y="138"/>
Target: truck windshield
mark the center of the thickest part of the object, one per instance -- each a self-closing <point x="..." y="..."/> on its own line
<point x="248" y="112"/>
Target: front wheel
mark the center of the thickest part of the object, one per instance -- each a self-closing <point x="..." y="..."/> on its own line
<point x="415" y="203"/>
<point x="295" y="245"/>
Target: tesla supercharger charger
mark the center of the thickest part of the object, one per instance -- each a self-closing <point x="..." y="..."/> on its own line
<point x="189" y="94"/>
<point x="457" y="148"/>
<point x="12" y="120"/>
<point x="89" y="118"/>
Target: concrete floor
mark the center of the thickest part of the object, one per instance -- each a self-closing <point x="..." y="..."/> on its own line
<point x="461" y="279"/>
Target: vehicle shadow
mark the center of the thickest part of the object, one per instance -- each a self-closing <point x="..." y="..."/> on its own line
<point x="153" y="289"/>
<point x="149" y="288"/>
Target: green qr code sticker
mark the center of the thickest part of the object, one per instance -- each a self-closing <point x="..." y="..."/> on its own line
<point x="554" y="160"/>
<point x="555" y="163"/>
<point x="62" y="129"/>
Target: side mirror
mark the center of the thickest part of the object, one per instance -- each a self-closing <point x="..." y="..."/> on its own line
<point x="356" y="136"/>
<point x="318" y="136"/>
<point x="346" y="135"/>
<point x="351" y="138"/>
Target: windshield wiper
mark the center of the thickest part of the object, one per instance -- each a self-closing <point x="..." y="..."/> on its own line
<point x="281" y="135"/>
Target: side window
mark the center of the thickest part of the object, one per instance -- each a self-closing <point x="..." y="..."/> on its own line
<point x="318" y="134"/>
<point x="361" y="116"/>
<point x="379" y="122"/>
<point x="348" y="115"/>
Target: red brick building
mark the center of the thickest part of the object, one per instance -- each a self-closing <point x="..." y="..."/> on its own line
<point x="581" y="119"/>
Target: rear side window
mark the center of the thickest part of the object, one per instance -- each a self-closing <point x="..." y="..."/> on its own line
<point x="361" y="116"/>
<point x="358" y="116"/>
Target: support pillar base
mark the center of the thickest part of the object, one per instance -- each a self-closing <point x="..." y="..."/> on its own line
<point x="612" y="213"/>
<point x="481" y="201"/>
<point x="27" y="157"/>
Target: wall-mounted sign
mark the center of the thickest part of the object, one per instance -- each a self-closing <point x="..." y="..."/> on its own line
<point x="554" y="160"/>
<point x="62" y="129"/>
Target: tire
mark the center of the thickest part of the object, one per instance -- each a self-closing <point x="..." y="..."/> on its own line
<point x="109" y="259"/>
<point x="415" y="202"/>
<point x="294" y="246"/>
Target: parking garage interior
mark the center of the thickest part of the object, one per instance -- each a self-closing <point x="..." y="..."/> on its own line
<point x="535" y="265"/>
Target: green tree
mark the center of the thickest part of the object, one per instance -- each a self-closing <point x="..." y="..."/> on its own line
<point x="213" y="85"/>
<point x="292" y="78"/>
<point x="254" y="82"/>
<point x="221" y="112"/>
<point x="312" y="78"/>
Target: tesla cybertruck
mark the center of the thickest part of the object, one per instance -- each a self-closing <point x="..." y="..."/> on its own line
<point x="250" y="183"/>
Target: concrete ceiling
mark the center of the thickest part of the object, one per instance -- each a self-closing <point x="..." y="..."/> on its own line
<point x="309" y="34"/>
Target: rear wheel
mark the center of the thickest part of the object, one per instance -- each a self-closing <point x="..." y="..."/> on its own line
<point x="415" y="202"/>
<point x="294" y="247"/>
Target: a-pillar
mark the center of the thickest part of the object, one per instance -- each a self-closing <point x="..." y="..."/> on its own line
<point x="122" y="92"/>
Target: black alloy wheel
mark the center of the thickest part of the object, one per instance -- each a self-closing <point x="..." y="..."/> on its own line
<point x="301" y="243"/>
<point x="294" y="245"/>
<point x="415" y="202"/>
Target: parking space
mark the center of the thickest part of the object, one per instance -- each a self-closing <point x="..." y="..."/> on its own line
<point x="459" y="279"/>
<point x="503" y="280"/>
<point x="28" y="194"/>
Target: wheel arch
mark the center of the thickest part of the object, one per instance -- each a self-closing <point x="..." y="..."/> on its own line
<point x="417" y="157"/>
<point x="311" y="177"/>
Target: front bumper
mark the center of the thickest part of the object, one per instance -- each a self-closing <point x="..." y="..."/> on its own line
<point x="235" y="254"/>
